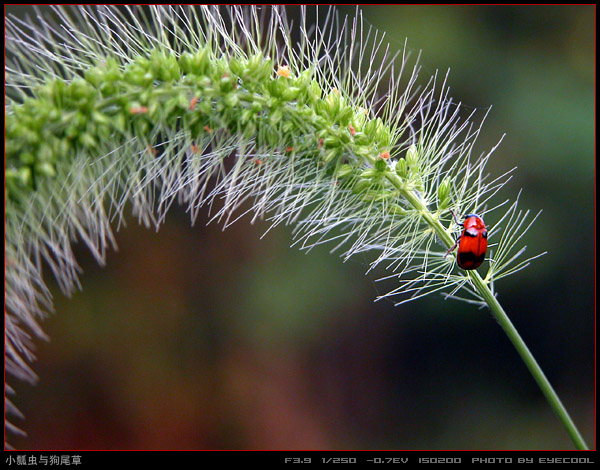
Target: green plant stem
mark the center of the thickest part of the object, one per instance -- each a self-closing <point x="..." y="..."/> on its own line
<point x="534" y="368"/>
<point x="498" y="313"/>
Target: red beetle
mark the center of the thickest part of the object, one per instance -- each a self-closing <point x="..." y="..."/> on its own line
<point x="472" y="244"/>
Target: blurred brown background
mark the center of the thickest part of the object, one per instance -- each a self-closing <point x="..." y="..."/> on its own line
<point x="195" y="338"/>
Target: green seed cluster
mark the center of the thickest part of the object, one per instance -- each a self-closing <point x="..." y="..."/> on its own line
<point x="199" y="93"/>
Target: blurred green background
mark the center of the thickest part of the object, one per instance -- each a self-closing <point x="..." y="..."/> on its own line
<point x="198" y="338"/>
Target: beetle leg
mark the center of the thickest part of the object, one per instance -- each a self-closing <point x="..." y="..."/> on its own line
<point x="453" y="247"/>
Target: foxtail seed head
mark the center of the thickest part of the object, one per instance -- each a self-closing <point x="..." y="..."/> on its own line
<point x="231" y="113"/>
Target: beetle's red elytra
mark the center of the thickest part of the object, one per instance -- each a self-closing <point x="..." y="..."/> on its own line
<point x="472" y="243"/>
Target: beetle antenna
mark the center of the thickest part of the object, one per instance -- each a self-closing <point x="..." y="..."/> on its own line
<point x="455" y="219"/>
